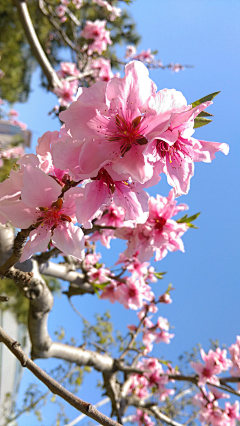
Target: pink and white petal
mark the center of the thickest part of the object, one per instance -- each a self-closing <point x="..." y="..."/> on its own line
<point x="69" y="204"/>
<point x="20" y="215"/>
<point x="44" y="143"/>
<point x="213" y="147"/>
<point x="157" y="170"/>
<point x="8" y="190"/>
<point x="134" y="203"/>
<point x="170" y="136"/>
<point x="38" y="242"/>
<point x="134" y="89"/>
<point x="166" y="101"/>
<point x="179" y="176"/>
<point x="65" y="154"/>
<point x="39" y="189"/>
<point x="31" y="159"/>
<point x="135" y="164"/>
<point x="183" y="117"/>
<point x="95" y="154"/>
<point x="69" y="239"/>
<point x="93" y="94"/>
<point x="95" y="197"/>
<point x="156" y="126"/>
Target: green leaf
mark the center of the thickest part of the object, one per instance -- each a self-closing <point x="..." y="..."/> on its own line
<point x="205" y="99"/>
<point x="190" y="225"/>
<point x="204" y="114"/>
<point x="159" y="275"/>
<point x="170" y="287"/>
<point x="201" y="121"/>
<point x="188" y="220"/>
<point x="102" y="285"/>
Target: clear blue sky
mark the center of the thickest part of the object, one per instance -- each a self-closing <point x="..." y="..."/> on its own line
<point x="203" y="33"/>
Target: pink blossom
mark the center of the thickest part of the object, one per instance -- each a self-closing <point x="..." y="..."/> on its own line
<point x="176" y="67"/>
<point x="213" y="415"/>
<point x="99" y="275"/>
<point x="114" y="216"/>
<point x="143" y="419"/>
<point x="138" y="386"/>
<point x="110" y="292"/>
<point x="53" y="217"/>
<point x="66" y="92"/>
<point x="144" y="56"/>
<point x="151" y="307"/>
<point x="165" y="298"/>
<point x="103" y="69"/>
<point x="60" y="10"/>
<point x="102" y="191"/>
<point x="104" y="236"/>
<point x="175" y="148"/>
<point x="235" y="358"/>
<point x="110" y="116"/>
<point x="159" y="233"/>
<point x="78" y="3"/>
<point x="13" y="113"/>
<point x="232" y="412"/>
<point x="90" y="260"/>
<point x="96" y="31"/>
<point x="215" y="363"/>
<point x="68" y="68"/>
<point x="115" y="11"/>
<point x="130" y="51"/>
<point x="163" y="336"/>
<point x="133" y="292"/>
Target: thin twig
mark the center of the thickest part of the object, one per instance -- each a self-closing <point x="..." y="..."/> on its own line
<point x="83" y="406"/>
<point x="79" y="418"/>
<point x="36" y="47"/>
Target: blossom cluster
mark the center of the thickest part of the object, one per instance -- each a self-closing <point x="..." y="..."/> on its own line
<point x="153" y="380"/>
<point x="215" y="362"/>
<point x="135" y="133"/>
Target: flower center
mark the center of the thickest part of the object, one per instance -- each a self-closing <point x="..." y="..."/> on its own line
<point x="52" y="217"/>
<point x="128" y="133"/>
<point x="132" y="292"/>
<point x="106" y="179"/>
<point x="159" y="223"/>
<point x="174" y="152"/>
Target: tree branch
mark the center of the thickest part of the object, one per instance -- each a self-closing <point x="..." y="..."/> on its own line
<point x="36" y="47"/>
<point x="79" y="418"/>
<point x="85" y="407"/>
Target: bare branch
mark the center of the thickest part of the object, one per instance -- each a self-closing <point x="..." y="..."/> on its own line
<point x="85" y="407"/>
<point x="79" y="418"/>
<point x="36" y="47"/>
<point x="7" y="269"/>
<point x="78" y="284"/>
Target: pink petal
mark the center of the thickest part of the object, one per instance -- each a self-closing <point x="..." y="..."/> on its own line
<point x="179" y="176"/>
<point x="135" y="164"/>
<point x="38" y="241"/>
<point x="134" y="203"/>
<point x="65" y="154"/>
<point x="95" y="196"/>
<point x="39" y="189"/>
<point x="135" y="88"/>
<point x="69" y="239"/>
<point x="213" y="147"/>
<point x="20" y="215"/>
<point x="95" y="154"/>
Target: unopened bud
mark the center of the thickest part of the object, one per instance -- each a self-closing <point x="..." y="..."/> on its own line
<point x="165" y="298"/>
